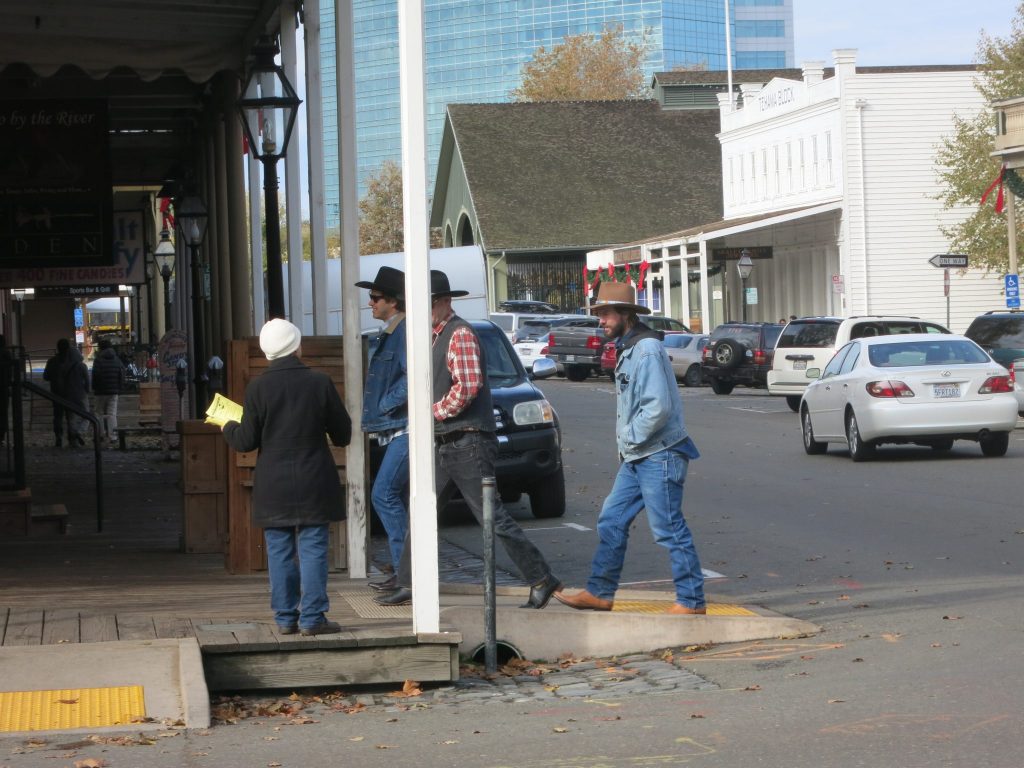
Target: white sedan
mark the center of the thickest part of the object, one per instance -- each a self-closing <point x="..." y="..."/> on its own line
<point x="914" y="388"/>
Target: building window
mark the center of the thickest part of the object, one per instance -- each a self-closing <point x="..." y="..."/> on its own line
<point x="764" y="174"/>
<point x="814" y="159"/>
<point x="789" y="166"/>
<point x="753" y="178"/>
<point x="732" y="179"/>
<point x="760" y="59"/>
<point x="760" y="28"/>
<point x="743" y="180"/>
<point x="776" y="180"/>
<point x="828" y="157"/>
<point x="800" y="164"/>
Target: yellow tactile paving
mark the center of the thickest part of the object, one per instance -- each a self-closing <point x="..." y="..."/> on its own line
<point x="70" y="708"/>
<point x="660" y="606"/>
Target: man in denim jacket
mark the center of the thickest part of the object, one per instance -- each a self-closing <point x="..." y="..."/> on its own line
<point x="655" y="453"/>
<point x="385" y="412"/>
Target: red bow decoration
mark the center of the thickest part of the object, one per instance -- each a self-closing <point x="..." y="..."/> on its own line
<point x="165" y="212"/>
<point x="644" y="266"/>
<point x="611" y="271"/>
<point x="998" y="182"/>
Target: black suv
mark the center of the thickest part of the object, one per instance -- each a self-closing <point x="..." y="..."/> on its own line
<point x="529" y="436"/>
<point x="740" y="353"/>
<point x="1001" y="334"/>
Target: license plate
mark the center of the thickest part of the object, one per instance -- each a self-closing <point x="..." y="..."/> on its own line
<point x="570" y="358"/>
<point x="799" y="365"/>
<point x="526" y="350"/>
<point x="946" y="390"/>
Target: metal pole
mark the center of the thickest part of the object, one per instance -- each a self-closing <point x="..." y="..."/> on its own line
<point x="166" y="275"/>
<point x="490" y="628"/>
<point x="743" y="297"/>
<point x="199" y="363"/>
<point x="1011" y="229"/>
<point x="275" y="282"/>
<point x="945" y="288"/>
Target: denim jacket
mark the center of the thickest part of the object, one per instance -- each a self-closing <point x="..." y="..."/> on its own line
<point x="649" y="410"/>
<point x="386" y="394"/>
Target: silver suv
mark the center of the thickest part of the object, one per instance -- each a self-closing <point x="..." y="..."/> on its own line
<point x="810" y="342"/>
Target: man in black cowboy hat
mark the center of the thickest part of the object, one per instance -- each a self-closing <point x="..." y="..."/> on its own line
<point x="385" y="411"/>
<point x="465" y="444"/>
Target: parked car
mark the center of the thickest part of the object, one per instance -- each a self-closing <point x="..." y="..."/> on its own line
<point x="526" y="305"/>
<point x="510" y="322"/>
<point x="1001" y="334"/>
<point x="810" y="342"/>
<point x="921" y="388"/>
<point x="608" y="358"/>
<point x="667" y="324"/>
<point x="739" y="353"/>
<point x="529" y="436"/>
<point x="531" y="340"/>
<point x="686" y="350"/>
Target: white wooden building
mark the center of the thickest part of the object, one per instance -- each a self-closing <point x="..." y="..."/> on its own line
<point x="831" y="183"/>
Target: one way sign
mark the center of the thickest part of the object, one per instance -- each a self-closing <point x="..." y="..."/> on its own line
<point x="947" y="260"/>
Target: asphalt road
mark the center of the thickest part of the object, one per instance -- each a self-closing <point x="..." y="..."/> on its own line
<point x="911" y="566"/>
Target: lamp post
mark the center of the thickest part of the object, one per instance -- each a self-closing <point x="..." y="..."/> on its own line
<point x="164" y="256"/>
<point x="744" y="266"/>
<point x="192" y="218"/>
<point x="269" y="101"/>
<point x="150" y="276"/>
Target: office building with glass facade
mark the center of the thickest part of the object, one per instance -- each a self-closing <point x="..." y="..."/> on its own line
<point x="475" y="50"/>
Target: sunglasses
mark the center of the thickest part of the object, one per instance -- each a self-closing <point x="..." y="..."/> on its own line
<point x="377" y="298"/>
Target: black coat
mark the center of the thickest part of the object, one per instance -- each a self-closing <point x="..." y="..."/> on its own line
<point x="107" y="373"/>
<point x="286" y="412"/>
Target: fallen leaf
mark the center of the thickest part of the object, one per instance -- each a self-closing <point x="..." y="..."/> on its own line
<point x="90" y="762"/>
<point x="952" y="618"/>
<point x="450" y="741"/>
<point x="357" y="738"/>
<point x="696" y="716"/>
<point x="559" y="729"/>
<point x="754" y="687"/>
<point x="836" y="701"/>
<point x="936" y="645"/>
<point x="858" y="659"/>
<point x="410" y="688"/>
<point x="273" y="765"/>
<point x="843" y="597"/>
<point x="67" y="701"/>
<point x="892" y="637"/>
<point x="385" y="746"/>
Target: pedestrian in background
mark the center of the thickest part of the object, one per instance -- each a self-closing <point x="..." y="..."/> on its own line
<point x="51" y="373"/>
<point x="108" y="377"/>
<point x="654" y="454"/>
<point x="465" y="444"/>
<point x="296" y="492"/>
<point x="385" y="412"/>
<point x="69" y="379"/>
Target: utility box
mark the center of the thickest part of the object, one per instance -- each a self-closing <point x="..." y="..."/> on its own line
<point x="204" y="480"/>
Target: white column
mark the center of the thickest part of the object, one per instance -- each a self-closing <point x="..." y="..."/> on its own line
<point x="315" y="168"/>
<point x="292" y="182"/>
<point x="705" y="303"/>
<point x="423" y="500"/>
<point x="352" y="344"/>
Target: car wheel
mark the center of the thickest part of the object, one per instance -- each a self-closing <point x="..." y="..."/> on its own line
<point x="995" y="444"/>
<point x="811" y="446"/>
<point x="859" y="449"/>
<point x="720" y="387"/>
<point x="576" y="372"/>
<point x="793" y="401"/>
<point x="547" y="497"/>
<point x="693" y="376"/>
<point x="942" y="445"/>
<point x="728" y="353"/>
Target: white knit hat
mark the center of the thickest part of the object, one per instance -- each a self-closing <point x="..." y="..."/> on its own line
<point x="279" y="338"/>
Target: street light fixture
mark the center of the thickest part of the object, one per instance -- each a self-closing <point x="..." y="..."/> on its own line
<point x="270" y="103"/>
<point x="744" y="266"/>
<point x="164" y="256"/>
<point x="192" y="219"/>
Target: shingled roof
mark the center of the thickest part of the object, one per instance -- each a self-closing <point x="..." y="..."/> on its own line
<point x="720" y="76"/>
<point x="580" y="175"/>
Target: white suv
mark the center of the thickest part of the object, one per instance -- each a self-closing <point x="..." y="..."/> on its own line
<point x="810" y="342"/>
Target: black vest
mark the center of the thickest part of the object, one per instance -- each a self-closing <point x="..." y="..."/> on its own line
<point x="479" y="414"/>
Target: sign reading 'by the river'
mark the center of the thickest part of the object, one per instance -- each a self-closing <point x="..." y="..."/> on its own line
<point x="56" y="200"/>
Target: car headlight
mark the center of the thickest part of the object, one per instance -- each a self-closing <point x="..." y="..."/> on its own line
<point x="533" y="412"/>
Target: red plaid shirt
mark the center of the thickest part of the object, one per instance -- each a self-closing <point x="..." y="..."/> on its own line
<point x="463" y="361"/>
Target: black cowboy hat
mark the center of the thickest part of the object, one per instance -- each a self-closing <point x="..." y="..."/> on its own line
<point x="439" y="285"/>
<point x="389" y="281"/>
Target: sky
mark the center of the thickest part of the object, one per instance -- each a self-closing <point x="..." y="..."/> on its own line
<point x="898" y="31"/>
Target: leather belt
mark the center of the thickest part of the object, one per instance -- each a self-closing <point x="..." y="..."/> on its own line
<point x="449" y="437"/>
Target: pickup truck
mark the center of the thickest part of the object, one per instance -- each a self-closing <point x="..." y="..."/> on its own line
<point x="577" y="349"/>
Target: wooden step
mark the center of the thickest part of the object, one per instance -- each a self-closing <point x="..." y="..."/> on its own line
<point x="48" y="519"/>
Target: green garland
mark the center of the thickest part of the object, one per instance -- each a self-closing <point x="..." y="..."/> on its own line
<point x="1014" y="182"/>
<point x="621" y="275"/>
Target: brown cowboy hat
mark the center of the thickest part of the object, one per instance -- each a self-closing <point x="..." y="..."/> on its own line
<point x="389" y="281"/>
<point x="616" y="296"/>
<point x="439" y="285"/>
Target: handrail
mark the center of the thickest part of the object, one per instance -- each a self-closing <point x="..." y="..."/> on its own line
<point x="88" y="415"/>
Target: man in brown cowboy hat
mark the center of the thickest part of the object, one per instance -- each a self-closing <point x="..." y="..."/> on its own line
<point x="654" y="451"/>
<point x="385" y="411"/>
<point x="465" y="444"/>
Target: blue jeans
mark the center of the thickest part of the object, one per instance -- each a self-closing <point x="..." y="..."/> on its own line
<point x="298" y="587"/>
<point x="388" y="495"/>
<point x="460" y="465"/>
<point x="654" y="483"/>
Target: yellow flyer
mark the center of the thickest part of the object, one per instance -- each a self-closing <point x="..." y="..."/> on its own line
<point x="222" y="410"/>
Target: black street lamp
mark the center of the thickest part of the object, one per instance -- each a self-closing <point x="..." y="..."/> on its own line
<point x="150" y="275"/>
<point x="269" y="101"/>
<point x="192" y="219"/>
<point x="744" y="266"/>
<point x="164" y="256"/>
